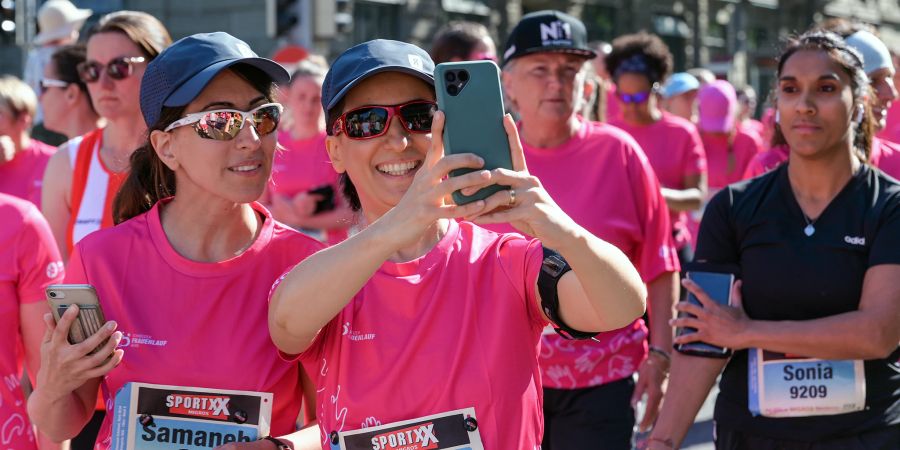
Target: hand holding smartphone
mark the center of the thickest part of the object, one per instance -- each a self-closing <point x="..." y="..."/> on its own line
<point x="90" y="316"/>
<point x="470" y="96"/>
<point x="718" y="287"/>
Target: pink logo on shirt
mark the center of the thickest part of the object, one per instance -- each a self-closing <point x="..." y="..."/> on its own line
<point x="137" y="340"/>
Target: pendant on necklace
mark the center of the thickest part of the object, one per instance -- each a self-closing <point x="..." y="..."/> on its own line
<point x="809" y="230"/>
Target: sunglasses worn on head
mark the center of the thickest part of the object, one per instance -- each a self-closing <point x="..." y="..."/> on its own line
<point x="225" y="124"/>
<point x="371" y="121"/>
<point x="117" y="69"/>
<point x="47" y="83"/>
<point x="639" y="97"/>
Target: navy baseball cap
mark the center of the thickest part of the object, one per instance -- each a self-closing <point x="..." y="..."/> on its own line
<point x="181" y="71"/>
<point x="547" y="31"/>
<point x="364" y="60"/>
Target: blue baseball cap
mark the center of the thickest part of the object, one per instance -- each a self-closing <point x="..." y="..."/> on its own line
<point x="369" y="58"/>
<point x="178" y="74"/>
<point x="678" y="84"/>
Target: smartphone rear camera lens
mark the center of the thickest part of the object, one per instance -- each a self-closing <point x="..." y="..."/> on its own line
<point x="463" y="76"/>
<point x="450" y="77"/>
<point x="452" y="89"/>
<point x="52" y="294"/>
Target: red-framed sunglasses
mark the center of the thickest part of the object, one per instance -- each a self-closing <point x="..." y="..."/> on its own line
<point x="367" y="122"/>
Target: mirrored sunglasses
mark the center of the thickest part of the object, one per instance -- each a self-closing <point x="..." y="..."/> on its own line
<point x="639" y="97"/>
<point x="372" y="121"/>
<point x="117" y="69"/>
<point x="225" y="124"/>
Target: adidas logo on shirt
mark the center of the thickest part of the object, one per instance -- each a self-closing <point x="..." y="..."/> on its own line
<point x="855" y="240"/>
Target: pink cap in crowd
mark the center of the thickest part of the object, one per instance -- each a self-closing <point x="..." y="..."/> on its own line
<point x="717" y="107"/>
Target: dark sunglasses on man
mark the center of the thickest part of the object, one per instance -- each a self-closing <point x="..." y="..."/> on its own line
<point x="117" y="69"/>
<point x="367" y="122"/>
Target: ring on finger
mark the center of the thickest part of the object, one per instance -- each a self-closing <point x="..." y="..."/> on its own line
<point x="512" y="198"/>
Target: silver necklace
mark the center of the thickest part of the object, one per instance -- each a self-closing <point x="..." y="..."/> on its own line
<point x="810" y="225"/>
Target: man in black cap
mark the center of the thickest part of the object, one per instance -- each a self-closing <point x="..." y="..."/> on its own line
<point x="589" y="388"/>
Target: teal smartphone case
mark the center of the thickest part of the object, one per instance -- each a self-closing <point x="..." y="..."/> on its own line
<point x="474" y="119"/>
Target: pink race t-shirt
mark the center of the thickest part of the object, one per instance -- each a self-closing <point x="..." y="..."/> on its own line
<point x="675" y="150"/>
<point x="304" y="165"/>
<point x="24" y="175"/>
<point x="886" y="156"/>
<point x="727" y="157"/>
<point x="458" y="327"/>
<point x="891" y="131"/>
<point x="29" y="262"/>
<point x="753" y="127"/>
<point x="603" y="181"/>
<point x="188" y="323"/>
<point x="767" y="161"/>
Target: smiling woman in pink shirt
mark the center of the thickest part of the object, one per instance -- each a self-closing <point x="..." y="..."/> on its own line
<point x="184" y="276"/>
<point x="418" y="314"/>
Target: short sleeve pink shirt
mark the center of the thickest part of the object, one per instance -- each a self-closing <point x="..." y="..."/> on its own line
<point x="725" y="169"/>
<point x="603" y="181"/>
<point x="188" y="323"/>
<point x="886" y="156"/>
<point x="24" y="175"/>
<point x="458" y="327"/>
<point x="304" y="165"/>
<point x="767" y="161"/>
<point x="675" y="150"/>
<point x="29" y="262"/>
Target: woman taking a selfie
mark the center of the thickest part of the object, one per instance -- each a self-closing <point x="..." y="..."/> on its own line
<point x="816" y="243"/>
<point x="419" y="314"/>
<point x="208" y="252"/>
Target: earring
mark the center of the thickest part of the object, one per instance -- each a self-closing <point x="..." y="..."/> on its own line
<point x="777" y="116"/>
<point x="860" y="113"/>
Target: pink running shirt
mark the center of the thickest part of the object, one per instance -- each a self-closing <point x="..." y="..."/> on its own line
<point x="188" y="323"/>
<point x="886" y="156"/>
<point x="458" y="327"/>
<point x="618" y="200"/>
<point x="304" y="165"/>
<point x="674" y="149"/>
<point x="24" y="175"/>
<point x="722" y="172"/>
<point x="753" y="127"/>
<point x="29" y="262"/>
<point x="891" y="131"/>
<point x="767" y="161"/>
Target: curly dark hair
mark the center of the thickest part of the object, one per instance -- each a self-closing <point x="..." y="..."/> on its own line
<point x="654" y="50"/>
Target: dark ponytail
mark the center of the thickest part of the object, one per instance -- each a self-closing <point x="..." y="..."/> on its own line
<point x="149" y="180"/>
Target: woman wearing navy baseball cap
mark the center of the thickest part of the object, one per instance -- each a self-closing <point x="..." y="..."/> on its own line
<point x="420" y="320"/>
<point x="184" y="276"/>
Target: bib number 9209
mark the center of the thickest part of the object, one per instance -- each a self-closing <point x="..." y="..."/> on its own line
<point x="811" y="391"/>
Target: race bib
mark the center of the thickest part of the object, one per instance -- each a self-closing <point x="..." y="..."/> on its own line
<point x="159" y="417"/>
<point x="782" y="385"/>
<point x="446" y="431"/>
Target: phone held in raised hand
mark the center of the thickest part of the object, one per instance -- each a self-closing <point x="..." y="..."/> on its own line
<point x="718" y="287"/>
<point x="469" y="94"/>
<point x="90" y="316"/>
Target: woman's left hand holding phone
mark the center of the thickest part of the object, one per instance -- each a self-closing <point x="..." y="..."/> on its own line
<point x="65" y="370"/>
